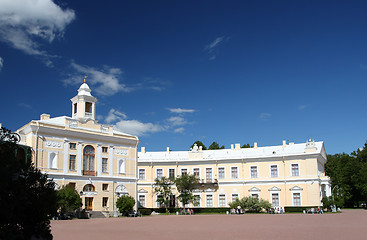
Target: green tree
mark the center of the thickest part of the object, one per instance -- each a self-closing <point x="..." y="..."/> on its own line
<point x="198" y="143"/>
<point x="185" y="185"/>
<point x="251" y="204"/>
<point x="163" y="189"/>
<point x="69" y="199"/>
<point x="125" y="204"/>
<point x="246" y="146"/>
<point x="28" y="198"/>
<point x="214" y="146"/>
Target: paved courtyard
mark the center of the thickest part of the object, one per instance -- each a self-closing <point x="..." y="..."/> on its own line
<point x="350" y="225"/>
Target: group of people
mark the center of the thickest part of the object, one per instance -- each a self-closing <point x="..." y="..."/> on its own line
<point x="237" y="210"/>
<point x="276" y="210"/>
<point x="189" y="211"/>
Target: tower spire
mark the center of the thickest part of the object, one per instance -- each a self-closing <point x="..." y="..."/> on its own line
<point x="85" y="78"/>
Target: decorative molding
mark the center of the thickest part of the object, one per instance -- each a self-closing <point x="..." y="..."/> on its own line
<point x="120" y="189"/>
<point x="123" y="152"/>
<point x="296" y="188"/>
<point x="274" y="189"/>
<point x="254" y="189"/>
<point x="53" y="144"/>
<point x="142" y="191"/>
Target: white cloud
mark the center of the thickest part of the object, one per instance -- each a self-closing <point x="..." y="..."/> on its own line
<point x="180" y="110"/>
<point x="135" y="127"/>
<point x="214" y="44"/>
<point x="24" y="22"/>
<point x="265" y="116"/>
<point x="179" y="130"/>
<point x="105" y="81"/>
<point x="177" y="121"/>
<point x="1" y="63"/>
<point x="114" y="116"/>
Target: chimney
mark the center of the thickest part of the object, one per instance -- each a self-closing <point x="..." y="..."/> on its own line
<point x="167" y="149"/>
<point x="255" y="145"/>
<point x="45" y="116"/>
<point x="232" y="147"/>
<point x="200" y="148"/>
<point x="284" y="143"/>
<point x="237" y="146"/>
<point x="142" y="150"/>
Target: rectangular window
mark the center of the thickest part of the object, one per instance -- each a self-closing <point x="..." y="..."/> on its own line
<point x="104" y="187"/>
<point x="196" y="201"/>
<point x="221" y="173"/>
<point x="72" y="162"/>
<point x="142" y="200"/>
<point x="72" y="146"/>
<point x="234" y="172"/>
<point x="104" y="164"/>
<point x="209" y="200"/>
<point x="172" y="174"/>
<point x="255" y="195"/>
<point x="197" y="172"/>
<point x="275" y="199"/>
<point x="159" y="173"/>
<point x="295" y="170"/>
<point x="296" y="199"/>
<point x="274" y="170"/>
<point x="208" y="175"/>
<point x="184" y="171"/>
<point x="104" y="201"/>
<point x="234" y="197"/>
<point x="141" y="174"/>
<point x="105" y="149"/>
<point x="222" y="200"/>
<point x="253" y="171"/>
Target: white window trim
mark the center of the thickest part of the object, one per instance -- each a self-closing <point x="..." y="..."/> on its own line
<point x="271" y="197"/>
<point x="139" y="173"/>
<point x="299" y="170"/>
<point x="257" y="171"/>
<point x="206" y="174"/>
<point x="234" y="194"/>
<point x="156" y="172"/>
<point x="196" y="168"/>
<point x="145" y="199"/>
<point x="206" y="200"/>
<point x="270" y="170"/>
<point x="175" y="175"/>
<point x="187" y="170"/>
<point x="225" y="199"/>
<point x="224" y="172"/>
<point x="300" y="197"/>
<point x="237" y="172"/>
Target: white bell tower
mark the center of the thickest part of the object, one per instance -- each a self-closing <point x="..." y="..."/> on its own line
<point x="84" y="104"/>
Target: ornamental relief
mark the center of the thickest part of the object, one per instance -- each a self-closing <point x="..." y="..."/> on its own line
<point x="52" y="144"/>
<point x="123" y="152"/>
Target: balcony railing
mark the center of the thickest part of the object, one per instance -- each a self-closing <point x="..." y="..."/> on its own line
<point x="207" y="183"/>
<point x="89" y="173"/>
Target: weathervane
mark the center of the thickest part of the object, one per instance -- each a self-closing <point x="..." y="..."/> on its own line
<point x="85" y="78"/>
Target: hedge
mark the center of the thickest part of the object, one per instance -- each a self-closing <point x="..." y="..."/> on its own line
<point x="148" y="211"/>
<point x="298" y="208"/>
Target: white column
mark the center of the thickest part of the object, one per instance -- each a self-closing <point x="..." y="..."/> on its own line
<point x="99" y="159"/>
<point x="80" y="157"/>
<point x="110" y="160"/>
<point x="66" y="156"/>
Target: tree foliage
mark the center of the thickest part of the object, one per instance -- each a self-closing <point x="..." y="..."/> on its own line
<point x="125" y="204"/>
<point x="163" y="189"/>
<point x="246" y="146"/>
<point x="28" y="198"/>
<point x="214" y="146"/>
<point x="348" y="175"/>
<point x="69" y="199"/>
<point x="251" y="204"/>
<point x="199" y="143"/>
<point x="185" y="185"/>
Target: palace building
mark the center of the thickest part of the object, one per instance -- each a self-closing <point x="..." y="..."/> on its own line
<point x="286" y="175"/>
<point x="97" y="160"/>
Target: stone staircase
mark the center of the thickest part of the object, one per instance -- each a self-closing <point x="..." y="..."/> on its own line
<point x="97" y="214"/>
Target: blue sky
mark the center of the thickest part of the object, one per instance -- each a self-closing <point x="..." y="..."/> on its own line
<point x="174" y="72"/>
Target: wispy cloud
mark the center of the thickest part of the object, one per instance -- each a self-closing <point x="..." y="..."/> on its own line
<point x="181" y="110"/>
<point x="135" y="127"/>
<point x="265" y="116"/>
<point x="211" y="48"/>
<point x="25" y="105"/>
<point x="1" y="63"/>
<point x="177" y="121"/>
<point x="105" y="81"/>
<point x="24" y="22"/>
<point x="179" y="130"/>
<point x="115" y="115"/>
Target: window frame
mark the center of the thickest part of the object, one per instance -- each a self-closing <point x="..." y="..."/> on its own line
<point x="277" y="170"/>
<point x="219" y="173"/>
<point x="234" y="175"/>
<point x="257" y="171"/>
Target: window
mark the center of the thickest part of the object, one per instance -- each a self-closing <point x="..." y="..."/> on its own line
<point x="184" y="171"/>
<point x="253" y="171"/>
<point x="196" y="201"/>
<point x="222" y="200"/>
<point x="72" y="146"/>
<point x="221" y="173"/>
<point x="104" y="187"/>
<point x="295" y="169"/>
<point x="234" y="197"/>
<point x="274" y="170"/>
<point x="142" y="200"/>
<point x="208" y="174"/>
<point x="75" y="107"/>
<point x="171" y="173"/>
<point x="141" y="174"/>
<point x="104" y="201"/>
<point x="104" y="164"/>
<point x="234" y="172"/>
<point x="197" y="172"/>
<point x="88" y="158"/>
<point x="89" y="188"/>
<point x="296" y="199"/>
<point x="209" y="200"/>
<point x="255" y="195"/>
<point x="275" y="199"/>
<point x="88" y="107"/>
<point x="105" y="149"/>
<point x="159" y="173"/>
<point x="159" y="203"/>
<point x="72" y="162"/>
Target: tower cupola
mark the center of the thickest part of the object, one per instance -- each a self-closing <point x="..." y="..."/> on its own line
<point x="84" y="104"/>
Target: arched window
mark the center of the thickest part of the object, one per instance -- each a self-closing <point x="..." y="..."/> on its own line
<point x="89" y="188"/>
<point x="53" y="160"/>
<point x="121" y="166"/>
<point x="88" y="160"/>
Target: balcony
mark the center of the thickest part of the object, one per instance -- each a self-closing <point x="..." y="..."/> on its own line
<point x="89" y="173"/>
<point x="207" y="183"/>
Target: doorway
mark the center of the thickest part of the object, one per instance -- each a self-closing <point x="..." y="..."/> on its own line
<point x="89" y="203"/>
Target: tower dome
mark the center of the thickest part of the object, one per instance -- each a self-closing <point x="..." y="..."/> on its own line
<point x="84" y="104"/>
<point x="84" y="90"/>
